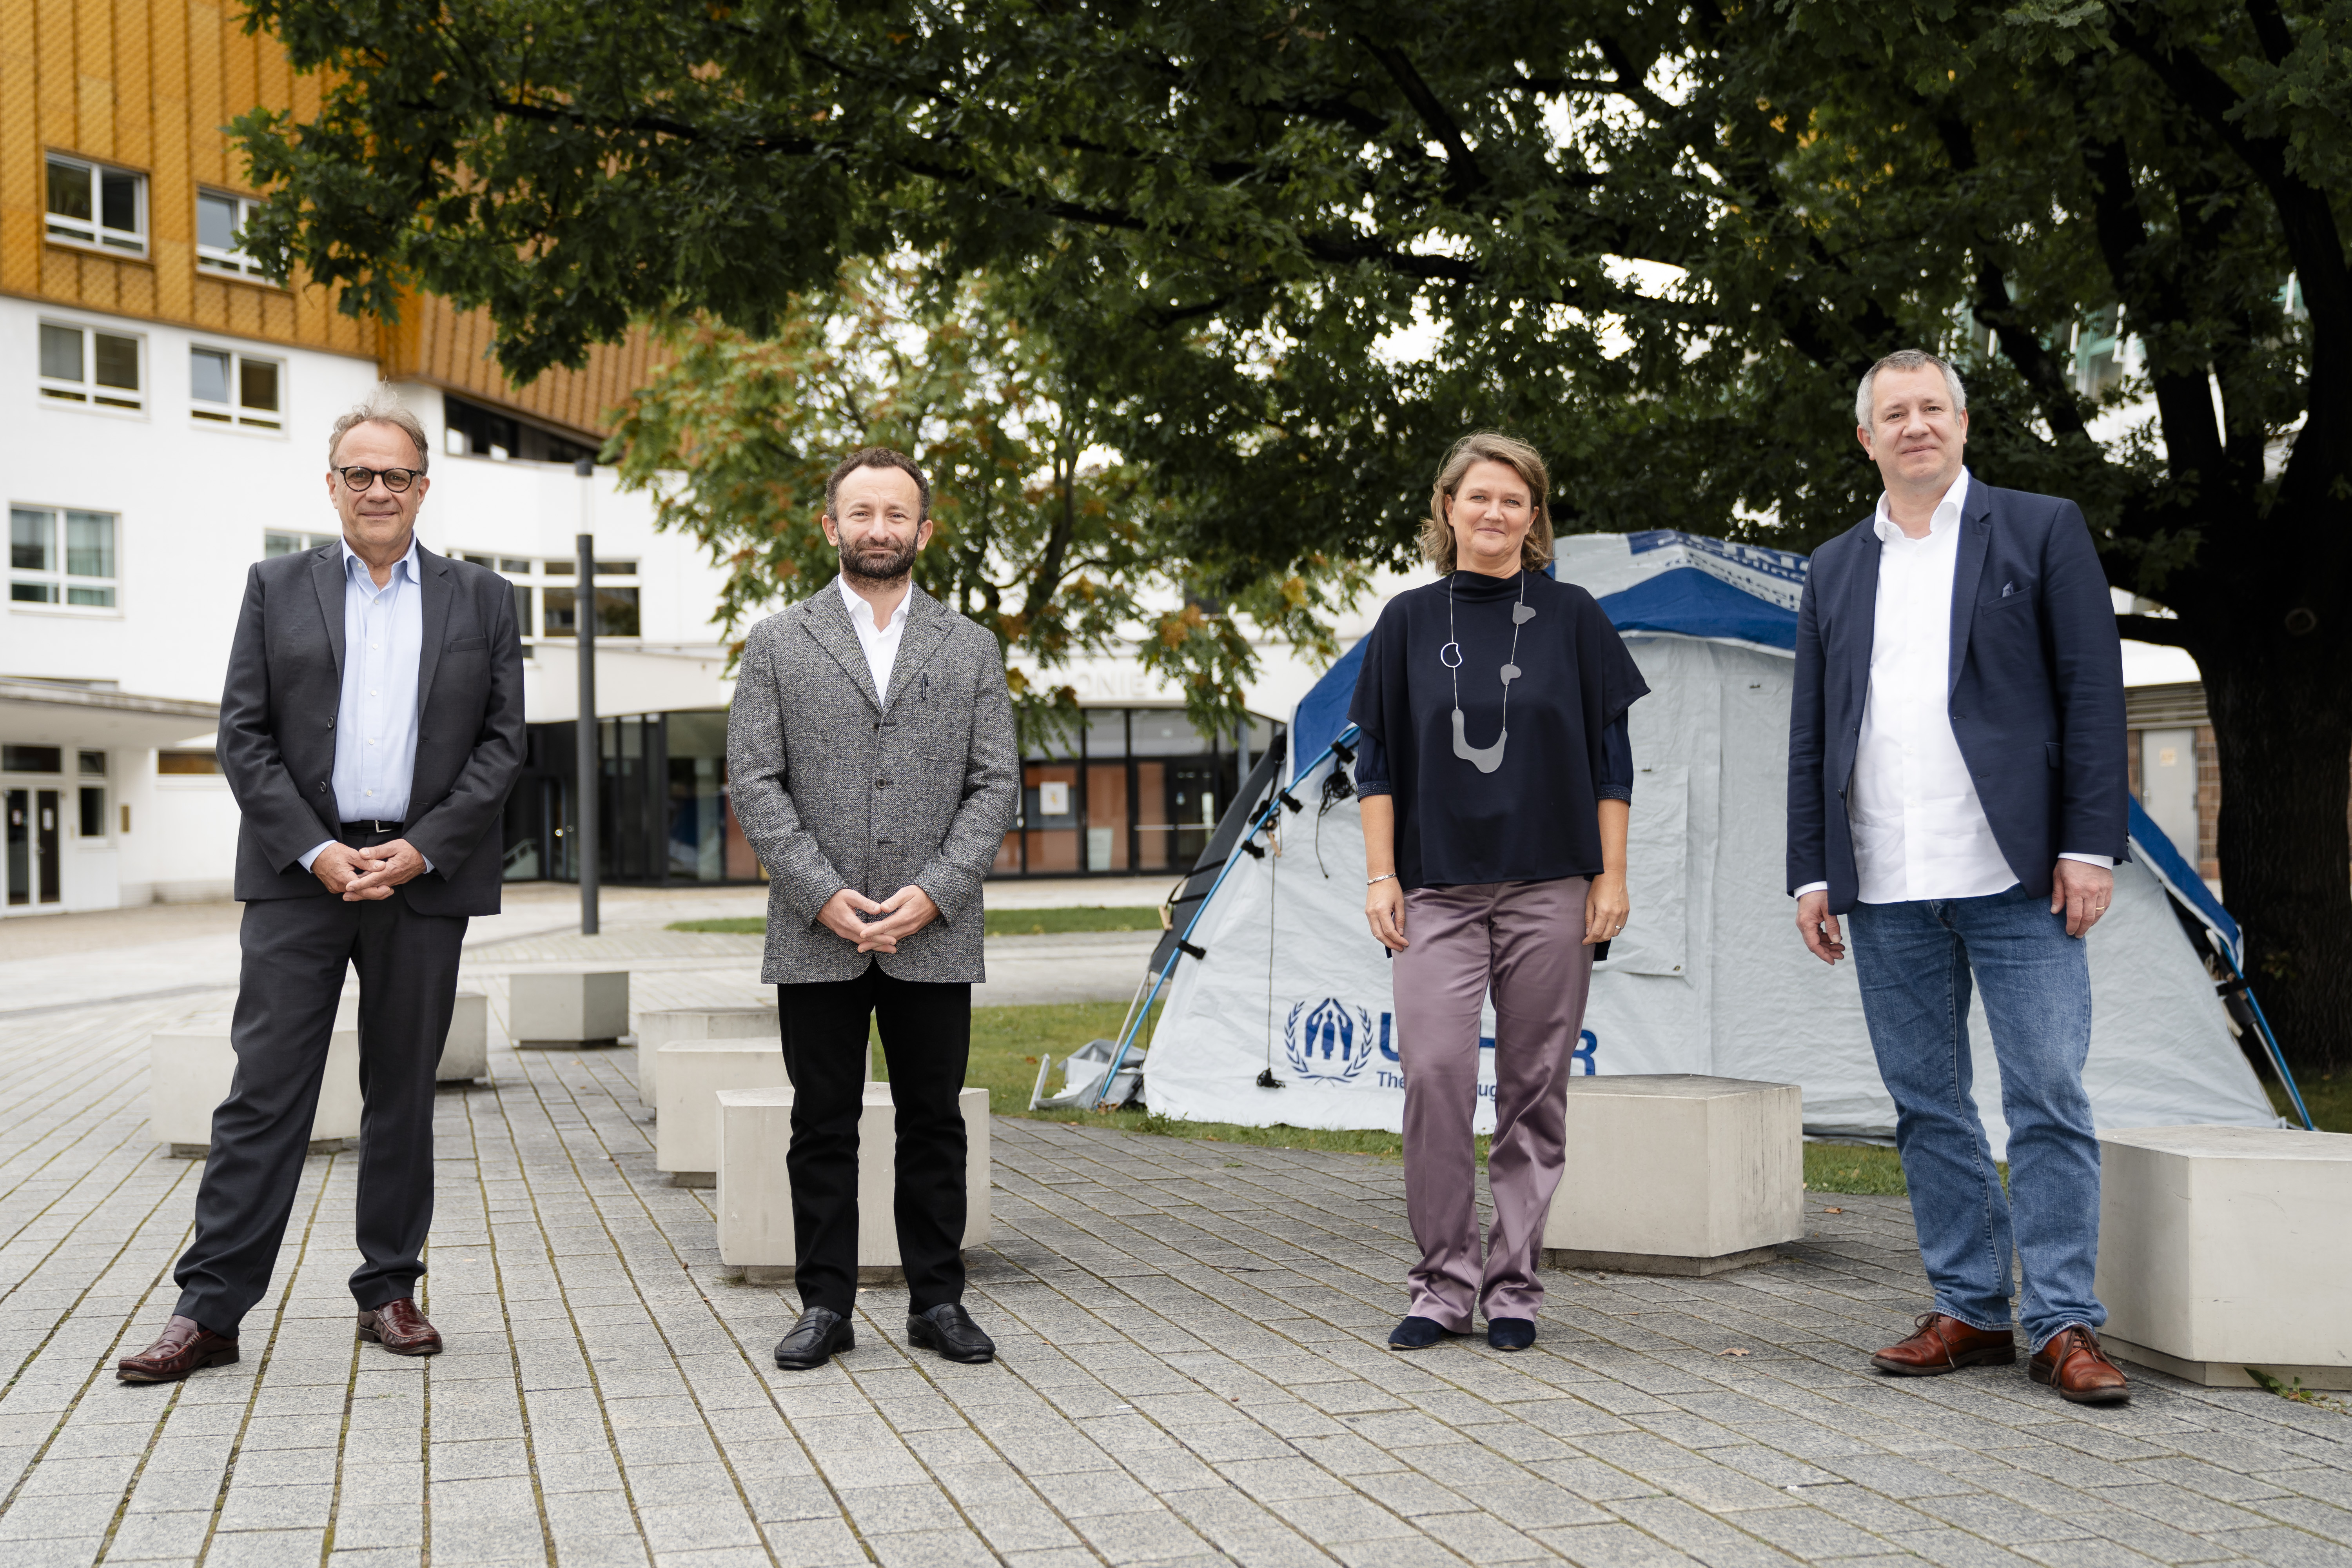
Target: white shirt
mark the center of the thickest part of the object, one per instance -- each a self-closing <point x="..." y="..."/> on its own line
<point x="880" y="644"/>
<point x="375" y="721"/>
<point x="1919" y="830"/>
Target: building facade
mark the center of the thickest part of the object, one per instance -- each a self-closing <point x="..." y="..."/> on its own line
<point x="169" y="403"/>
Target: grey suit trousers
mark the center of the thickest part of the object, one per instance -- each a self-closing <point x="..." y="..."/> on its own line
<point x="296" y="952"/>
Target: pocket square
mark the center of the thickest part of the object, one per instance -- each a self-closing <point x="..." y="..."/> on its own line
<point x="2007" y="589"/>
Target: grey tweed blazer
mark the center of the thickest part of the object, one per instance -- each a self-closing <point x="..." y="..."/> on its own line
<point x="837" y="786"/>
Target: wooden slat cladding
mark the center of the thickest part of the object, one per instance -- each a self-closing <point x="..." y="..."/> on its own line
<point x="150" y="86"/>
<point x="436" y="341"/>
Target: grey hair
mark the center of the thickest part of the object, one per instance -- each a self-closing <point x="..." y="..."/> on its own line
<point x="381" y="405"/>
<point x="1907" y="359"/>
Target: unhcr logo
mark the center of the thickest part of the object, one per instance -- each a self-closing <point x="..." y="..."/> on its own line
<point x="1328" y="1041"/>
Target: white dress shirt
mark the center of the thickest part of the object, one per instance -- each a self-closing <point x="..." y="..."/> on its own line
<point x="880" y="644"/>
<point x="376" y="721"/>
<point x="1919" y="830"/>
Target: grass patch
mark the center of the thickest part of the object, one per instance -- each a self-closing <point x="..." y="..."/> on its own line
<point x="1001" y="922"/>
<point x="1854" y="1168"/>
<point x="2329" y="1100"/>
<point x="1007" y="1044"/>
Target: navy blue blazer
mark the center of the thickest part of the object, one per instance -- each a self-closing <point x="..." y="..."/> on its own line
<point x="2036" y="695"/>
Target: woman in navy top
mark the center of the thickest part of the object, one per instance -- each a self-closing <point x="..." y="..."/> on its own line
<point x="1497" y="781"/>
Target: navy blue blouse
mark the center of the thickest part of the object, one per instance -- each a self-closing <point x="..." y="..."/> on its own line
<point x="1535" y="818"/>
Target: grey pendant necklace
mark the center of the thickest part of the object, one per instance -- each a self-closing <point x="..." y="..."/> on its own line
<point x="1485" y="759"/>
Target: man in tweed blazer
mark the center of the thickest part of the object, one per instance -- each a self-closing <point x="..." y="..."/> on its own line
<point x="871" y="758"/>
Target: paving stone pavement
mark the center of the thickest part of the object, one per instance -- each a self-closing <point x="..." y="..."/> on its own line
<point x="1192" y="1371"/>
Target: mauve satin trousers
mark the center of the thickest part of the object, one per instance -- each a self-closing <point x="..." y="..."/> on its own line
<point x="1524" y="941"/>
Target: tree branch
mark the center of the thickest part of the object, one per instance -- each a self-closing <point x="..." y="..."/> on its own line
<point x="1465" y="178"/>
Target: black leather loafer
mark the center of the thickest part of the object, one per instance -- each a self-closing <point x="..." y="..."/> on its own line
<point x="820" y="1335"/>
<point x="948" y="1330"/>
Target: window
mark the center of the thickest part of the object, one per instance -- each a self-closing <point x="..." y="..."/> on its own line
<point x="516" y="570"/>
<point x="186" y="763"/>
<point x="83" y="364"/>
<point x="93" y="812"/>
<point x="2099" y="353"/>
<point x="58" y="557"/>
<point x="231" y="388"/>
<point x="31" y="759"/>
<point x="93" y="765"/>
<point x="92" y="204"/>
<point x="275" y="545"/>
<point x="220" y="235"/>
<point x="473" y="431"/>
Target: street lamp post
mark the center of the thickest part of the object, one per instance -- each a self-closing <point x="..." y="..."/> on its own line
<point x="584" y="628"/>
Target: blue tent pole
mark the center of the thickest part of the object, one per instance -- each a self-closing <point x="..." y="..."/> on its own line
<point x="1273" y="804"/>
<point x="2270" y="1040"/>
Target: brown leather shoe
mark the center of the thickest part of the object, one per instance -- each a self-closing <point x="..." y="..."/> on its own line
<point x="1945" y="1344"/>
<point x="2073" y="1364"/>
<point x="186" y="1345"/>
<point x="401" y="1329"/>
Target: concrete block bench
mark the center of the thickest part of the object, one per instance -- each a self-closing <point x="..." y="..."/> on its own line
<point x="1677" y="1174"/>
<point x="568" y="1007"/>
<point x="192" y="1069"/>
<point x="755" y="1195"/>
<point x="465" y="1054"/>
<point x="663" y="1025"/>
<point x="692" y="1073"/>
<point x="2223" y="1248"/>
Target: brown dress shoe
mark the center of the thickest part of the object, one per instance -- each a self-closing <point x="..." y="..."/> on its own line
<point x="2073" y="1364"/>
<point x="1945" y="1344"/>
<point x="186" y="1345"/>
<point x="401" y="1329"/>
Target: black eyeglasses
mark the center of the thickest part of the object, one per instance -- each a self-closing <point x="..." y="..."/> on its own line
<point x="395" y="480"/>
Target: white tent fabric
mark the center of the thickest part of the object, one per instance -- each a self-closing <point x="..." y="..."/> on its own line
<point x="1709" y="977"/>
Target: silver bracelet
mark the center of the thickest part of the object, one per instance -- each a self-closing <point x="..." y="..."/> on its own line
<point x="1384" y="876"/>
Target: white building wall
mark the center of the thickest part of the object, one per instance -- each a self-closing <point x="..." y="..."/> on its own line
<point x="193" y="500"/>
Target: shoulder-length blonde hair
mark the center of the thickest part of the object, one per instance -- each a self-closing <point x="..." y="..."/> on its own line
<point x="1488" y="447"/>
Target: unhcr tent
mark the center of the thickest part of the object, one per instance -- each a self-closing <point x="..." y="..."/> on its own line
<point x="1277" y="998"/>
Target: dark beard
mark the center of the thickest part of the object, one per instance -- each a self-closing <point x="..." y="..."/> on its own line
<point x="878" y="564"/>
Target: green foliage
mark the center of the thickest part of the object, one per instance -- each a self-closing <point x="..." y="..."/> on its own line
<point x="1662" y="242"/>
<point x="1057" y="551"/>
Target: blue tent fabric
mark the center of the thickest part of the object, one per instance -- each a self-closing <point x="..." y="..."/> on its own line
<point x="1688" y="602"/>
<point x="1322" y="716"/>
<point x="2154" y="850"/>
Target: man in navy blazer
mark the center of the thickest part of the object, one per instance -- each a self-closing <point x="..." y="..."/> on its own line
<point x="1956" y="788"/>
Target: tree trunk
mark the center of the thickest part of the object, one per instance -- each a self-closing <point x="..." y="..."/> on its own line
<point x="2283" y="723"/>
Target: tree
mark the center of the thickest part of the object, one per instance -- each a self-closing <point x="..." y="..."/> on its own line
<point x="1662" y="241"/>
<point x="734" y="437"/>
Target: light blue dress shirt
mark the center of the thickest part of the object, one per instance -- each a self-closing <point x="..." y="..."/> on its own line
<point x="375" y="723"/>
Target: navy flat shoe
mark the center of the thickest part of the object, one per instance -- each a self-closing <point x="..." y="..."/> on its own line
<point x="1510" y="1333"/>
<point x="1419" y="1334"/>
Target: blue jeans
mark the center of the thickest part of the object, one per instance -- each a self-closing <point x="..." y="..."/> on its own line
<point x="1914" y="960"/>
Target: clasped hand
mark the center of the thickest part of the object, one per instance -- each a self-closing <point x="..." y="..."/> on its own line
<point x="878" y="928"/>
<point x="359" y="876"/>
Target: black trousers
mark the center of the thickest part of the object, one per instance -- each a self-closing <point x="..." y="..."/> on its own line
<point x="296" y="952"/>
<point x="925" y="1032"/>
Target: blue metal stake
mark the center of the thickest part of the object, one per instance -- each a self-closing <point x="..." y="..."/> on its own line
<point x="1273" y="804"/>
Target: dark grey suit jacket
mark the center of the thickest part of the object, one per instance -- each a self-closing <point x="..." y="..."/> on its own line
<point x="277" y="742"/>
<point x="836" y="788"/>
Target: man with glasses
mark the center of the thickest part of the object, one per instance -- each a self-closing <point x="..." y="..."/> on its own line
<point x="371" y="727"/>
